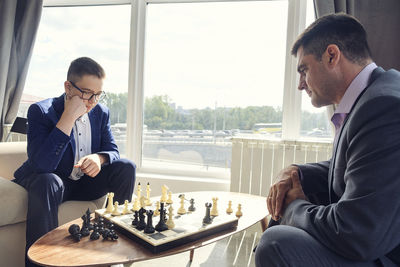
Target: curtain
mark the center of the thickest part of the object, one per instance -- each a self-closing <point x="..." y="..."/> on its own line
<point x="381" y="20"/>
<point x="19" y="21"/>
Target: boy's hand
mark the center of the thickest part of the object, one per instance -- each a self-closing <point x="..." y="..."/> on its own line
<point x="90" y="164"/>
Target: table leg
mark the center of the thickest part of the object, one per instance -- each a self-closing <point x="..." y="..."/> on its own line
<point x="191" y="255"/>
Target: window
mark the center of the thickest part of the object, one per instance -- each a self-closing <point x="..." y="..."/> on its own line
<point x="191" y="76"/>
<point x="314" y="121"/>
<point x="211" y="71"/>
<point x="66" y="33"/>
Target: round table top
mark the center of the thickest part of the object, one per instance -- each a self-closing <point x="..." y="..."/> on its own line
<point x="57" y="248"/>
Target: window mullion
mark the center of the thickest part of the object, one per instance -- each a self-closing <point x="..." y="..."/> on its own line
<point x="291" y="108"/>
<point x="135" y="84"/>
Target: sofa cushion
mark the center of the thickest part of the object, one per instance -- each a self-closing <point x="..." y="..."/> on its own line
<point x="14" y="202"/>
<point x="12" y="155"/>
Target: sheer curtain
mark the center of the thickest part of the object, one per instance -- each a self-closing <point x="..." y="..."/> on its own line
<point x="19" y="20"/>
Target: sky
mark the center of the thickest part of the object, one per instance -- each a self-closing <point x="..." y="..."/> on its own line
<point x="229" y="54"/>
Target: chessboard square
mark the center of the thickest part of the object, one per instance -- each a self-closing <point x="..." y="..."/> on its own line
<point x="179" y="230"/>
<point x="157" y="236"/>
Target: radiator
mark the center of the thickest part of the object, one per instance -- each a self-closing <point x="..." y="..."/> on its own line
<point x="256" y="162"/>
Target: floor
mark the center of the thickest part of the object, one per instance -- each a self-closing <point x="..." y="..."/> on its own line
<point x="234" y="251"/>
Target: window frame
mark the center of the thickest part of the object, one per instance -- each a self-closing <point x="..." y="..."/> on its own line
<point x="291" y="105"/>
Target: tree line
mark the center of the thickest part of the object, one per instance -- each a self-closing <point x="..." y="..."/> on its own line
<point x="160" y="114"/>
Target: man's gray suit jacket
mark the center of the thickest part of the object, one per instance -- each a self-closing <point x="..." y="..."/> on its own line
<point x="358" y="214"/>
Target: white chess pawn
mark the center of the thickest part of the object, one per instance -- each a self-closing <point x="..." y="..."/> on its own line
<point x="229" y="210"/>
<point x="115" y="212"/>
<point x="110" y="202"/>
<point x="136" y="205"/>
<point x="182" y="209"/>
<point x="214" y="210"/>
<point x="170" y="223"/>
<point x="126" y="209"/>
<point x="157" y="211"/>
<point x="239" y="211"/>
<point x="169" y="200"/>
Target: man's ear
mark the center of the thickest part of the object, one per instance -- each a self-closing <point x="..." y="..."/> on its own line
<point x="332" y="54"/>
<point x="67" y="87"/>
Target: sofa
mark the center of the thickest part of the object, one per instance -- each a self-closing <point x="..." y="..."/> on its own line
<point x="13" y="206"/>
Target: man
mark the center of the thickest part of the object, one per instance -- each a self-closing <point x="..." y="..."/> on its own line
<point x="72" y="154"/>
<point x="346" y="211"/>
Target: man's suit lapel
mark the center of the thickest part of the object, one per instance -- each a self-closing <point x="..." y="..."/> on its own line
<point x="95" y="129"/>
<point x="332" y="196"/>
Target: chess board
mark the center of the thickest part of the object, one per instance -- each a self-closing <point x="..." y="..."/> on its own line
<point x="188" y="227"/>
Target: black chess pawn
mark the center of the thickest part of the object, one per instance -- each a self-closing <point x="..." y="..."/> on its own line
<point x="135" y="218"/>
<point x="95" y="235"/>
<point x="105" y="233"/>
<point x="161" y="226"/>
<point x="85" y="231"/>
<point x="100" y="224"/>
<point x="110" y="226"/>
<point x="192" y="207"/>
<point x="149" y="229"/>
<point x="207" y="219"/>
<point x="141" y="224"/>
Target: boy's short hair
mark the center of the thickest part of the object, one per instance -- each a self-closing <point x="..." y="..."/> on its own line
<point x="84" y="66"/>
<point x="340" y="29"/>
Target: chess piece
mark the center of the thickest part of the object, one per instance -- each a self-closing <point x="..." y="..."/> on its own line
<point x="126" y="209"/>
<point x="148" y="202"/>
<point x="182" y="209"/>
<point x="139" y="191"/>
<point x="88" y="218"/>
<point x="192" y="207"/>
<point x="157" y="211"/>
<point x="163" y="212"/>
<point x="85" y="231"/>
<point x="229" y="210"/>
<point x="110" y="202"/>
<point x="135" y="220"/>
<point x="115" y="212"/>
<point x="95" y="235"/>
<point x="101" y="224"/>
<point x="161" y="226"/>
<point x="142" y="202"/>
<point x="136" y="205"/>
<point x="75" y="232"/>
<point x="141" y="224"/>
<point x="170" y="223"/>
<point x="207" y="219"/>
<point x="149" y="229"/>
<point x="214" y="210"/>
<point x="109" y="235"/>
<point x="239" y="211"/>
<point x="164" y="190"/>
<point x="169" y="200"/>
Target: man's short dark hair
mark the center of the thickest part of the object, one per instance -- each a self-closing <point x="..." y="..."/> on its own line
<point x="84" y="66"/>
<point x="340" y="29"/>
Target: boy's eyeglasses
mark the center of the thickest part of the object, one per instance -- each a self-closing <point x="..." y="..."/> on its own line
<point x="88" y="95"/>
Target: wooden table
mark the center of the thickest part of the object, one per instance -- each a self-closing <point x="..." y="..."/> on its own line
<point x="57" y="248"/>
